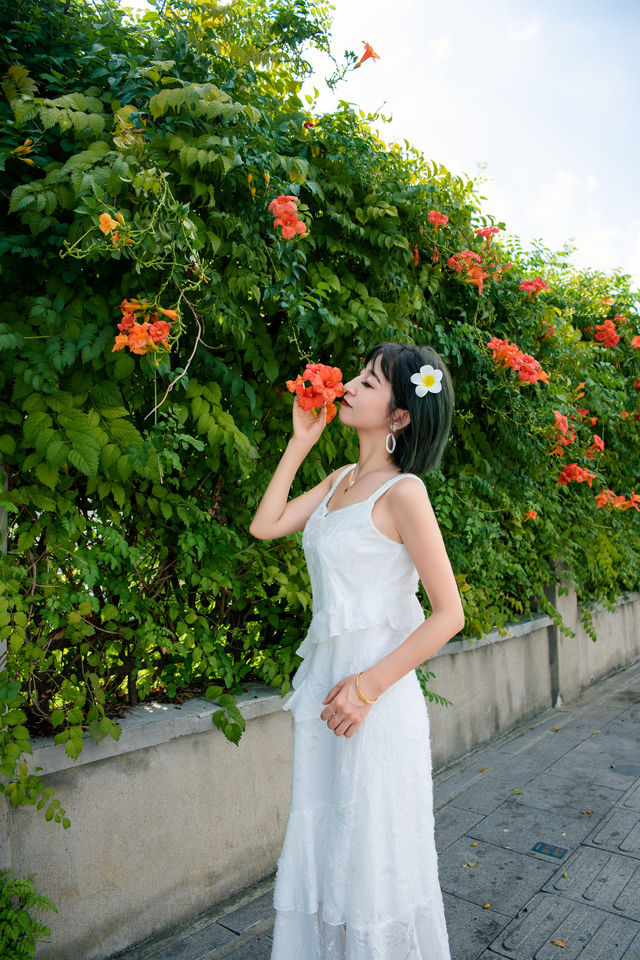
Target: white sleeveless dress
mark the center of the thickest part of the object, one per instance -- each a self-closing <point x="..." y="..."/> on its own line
<point x="357" y="877"/>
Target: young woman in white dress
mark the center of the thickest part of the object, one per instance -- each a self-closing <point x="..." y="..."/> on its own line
<point x="357" y="877"/>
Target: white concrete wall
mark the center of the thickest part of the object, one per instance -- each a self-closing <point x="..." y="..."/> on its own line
<point x="168" y="820"/>
<point x="493" y="683"/>
<point x="173" y="818"/>
<point x="581" y="661"/>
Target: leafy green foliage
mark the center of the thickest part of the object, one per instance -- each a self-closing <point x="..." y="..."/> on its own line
<point x="132" y="480"/>
<point x="19" y="930"/>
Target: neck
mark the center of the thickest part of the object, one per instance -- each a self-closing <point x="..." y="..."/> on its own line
<point x="373" y="456"/>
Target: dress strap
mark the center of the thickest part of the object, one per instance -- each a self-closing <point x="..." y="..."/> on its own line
<point x="385" y="486"/>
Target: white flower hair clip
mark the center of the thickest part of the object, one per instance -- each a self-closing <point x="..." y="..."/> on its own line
<point x="428" y="380"/>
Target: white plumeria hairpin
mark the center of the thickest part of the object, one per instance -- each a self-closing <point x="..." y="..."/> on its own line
<point x="428" y="380"/>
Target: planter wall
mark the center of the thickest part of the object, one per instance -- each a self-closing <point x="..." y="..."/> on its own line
<point x="173" y="818"/>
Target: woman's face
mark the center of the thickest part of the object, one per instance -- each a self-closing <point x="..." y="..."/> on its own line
<point x="366" y="399"/>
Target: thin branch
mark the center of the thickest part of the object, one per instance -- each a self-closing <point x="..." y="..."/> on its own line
<point x="142" y="582"/>
<point x="115" y="633"/>
<point x="173" y="382"/>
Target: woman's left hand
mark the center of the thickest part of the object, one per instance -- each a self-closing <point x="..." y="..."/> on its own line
<point x="345" y="711"/>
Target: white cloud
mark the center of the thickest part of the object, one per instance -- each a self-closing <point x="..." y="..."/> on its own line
<point x="556" y="196"/>
<point x="522" y="31"/>
<point x="609" y="247"/>
<point x="440" y="48"/>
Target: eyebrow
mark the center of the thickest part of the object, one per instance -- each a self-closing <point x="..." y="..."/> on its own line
<point x="373" y="374"/>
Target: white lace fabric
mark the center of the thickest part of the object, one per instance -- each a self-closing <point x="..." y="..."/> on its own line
<point x="357" y="876"/>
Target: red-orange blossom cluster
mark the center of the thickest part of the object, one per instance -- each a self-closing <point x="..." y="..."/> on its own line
<point x="146" y="333"/>
<point x="510" y="355"/>
<point x="285" y="211"/>
<point x="479" y="267"/>
<point x="565" y="436"/>
<point x="325" y="384"/>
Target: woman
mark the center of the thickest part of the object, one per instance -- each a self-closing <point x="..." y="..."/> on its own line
<point x="358" y="877"/>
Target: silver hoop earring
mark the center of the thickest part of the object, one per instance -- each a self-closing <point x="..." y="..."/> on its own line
<point x="393" y="441"/>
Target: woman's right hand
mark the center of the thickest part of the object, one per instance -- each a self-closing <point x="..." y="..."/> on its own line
<point x="307" y="428"/>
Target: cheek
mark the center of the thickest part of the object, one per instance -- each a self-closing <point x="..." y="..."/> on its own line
<point x="377" y="409"/>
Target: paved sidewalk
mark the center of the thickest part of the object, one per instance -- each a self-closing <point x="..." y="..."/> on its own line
<point x="538" y="838"/>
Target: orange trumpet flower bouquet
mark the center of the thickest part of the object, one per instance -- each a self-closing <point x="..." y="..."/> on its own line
<point x="325" y="384"/>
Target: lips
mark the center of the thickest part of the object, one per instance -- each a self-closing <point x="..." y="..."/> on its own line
<point x="345" y="403"/>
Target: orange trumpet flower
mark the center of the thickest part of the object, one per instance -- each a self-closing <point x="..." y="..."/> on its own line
<point x="369" y="54"/>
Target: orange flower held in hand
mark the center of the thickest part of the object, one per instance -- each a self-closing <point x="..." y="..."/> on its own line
<point x="325" y="386"/>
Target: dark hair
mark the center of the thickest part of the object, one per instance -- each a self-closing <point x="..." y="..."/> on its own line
<point x="421" y="444"/>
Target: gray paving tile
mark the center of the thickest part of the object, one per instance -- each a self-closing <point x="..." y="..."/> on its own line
<point x="503" y="878"/>
<point x="626" y="725"/>
<point x="548" y="791"/>
<point x="545" y="750"/>
<point x="619" y="831"/>
<point x="447" y="789"/>
<point x="618" y="744"/>
<point x="516" y="826"/>
<point x="590" y="762"/>
<point x="451" y="823"/>
<point x="514" y="743"/>
<point x="598" y="707"/>
<point x="197" y="945"/>
<point x="602" y="879"/>
<point x="471" y="928"/>
<point x="631" y="798"/>
<point x="589" y="934"/>
<point x="487" y="793"/>
<point x="258" y="948"/>
<point x="247" y="916"/>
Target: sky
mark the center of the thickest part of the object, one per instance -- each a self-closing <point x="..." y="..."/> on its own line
<point x="539" y="97"/>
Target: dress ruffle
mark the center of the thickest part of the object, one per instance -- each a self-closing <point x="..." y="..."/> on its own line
<point x="307" y="936"/>
<point x="372" y="610"/>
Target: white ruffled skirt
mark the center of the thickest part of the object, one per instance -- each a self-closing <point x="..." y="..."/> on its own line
<point x="357" y="876"/>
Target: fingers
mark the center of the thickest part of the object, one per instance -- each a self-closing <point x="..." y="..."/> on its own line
<point x="329" y="697"/>
<point x="339" y="714"/>
<point x="343" y="727"/>
<point x="341" y="723"/>
<point x="305" y="422"/>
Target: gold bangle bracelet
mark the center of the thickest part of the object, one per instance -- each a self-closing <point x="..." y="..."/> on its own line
<point x="360" y="693"/>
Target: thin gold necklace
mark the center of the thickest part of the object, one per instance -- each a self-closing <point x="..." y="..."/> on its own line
<point x="354" y="477"/>
<point x="352" y="480"/>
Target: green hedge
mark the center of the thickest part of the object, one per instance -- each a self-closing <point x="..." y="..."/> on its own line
<point x="132" y="478"/>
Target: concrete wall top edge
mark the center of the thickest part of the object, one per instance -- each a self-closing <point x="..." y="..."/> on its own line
<point x="153" y="723"/>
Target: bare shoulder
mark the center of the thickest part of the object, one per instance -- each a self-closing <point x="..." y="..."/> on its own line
<point x="411" y="489"/>
<point x="408" y="499"/>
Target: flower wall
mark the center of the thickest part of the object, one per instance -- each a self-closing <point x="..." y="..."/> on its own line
<point x="153" y="312"/>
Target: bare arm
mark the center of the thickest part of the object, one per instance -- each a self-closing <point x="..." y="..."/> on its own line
<point x="275" y="517"/>
<point x="416" y="523"/>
